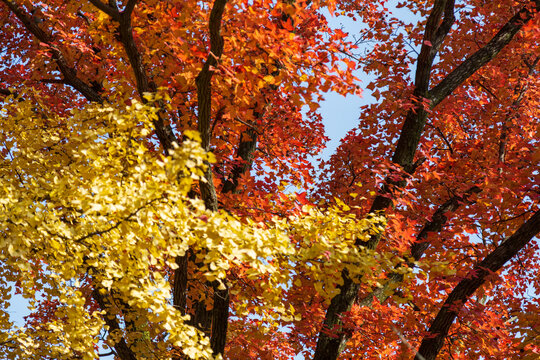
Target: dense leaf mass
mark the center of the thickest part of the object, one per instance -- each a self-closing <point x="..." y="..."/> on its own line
<point x="159" y="197"/>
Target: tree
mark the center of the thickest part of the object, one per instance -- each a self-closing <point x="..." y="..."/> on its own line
<point x="149" y="149"/>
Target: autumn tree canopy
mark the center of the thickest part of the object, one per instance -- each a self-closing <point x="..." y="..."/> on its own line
<point x="159" y="199"/>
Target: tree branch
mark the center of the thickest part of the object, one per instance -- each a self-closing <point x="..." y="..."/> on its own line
<point x="433" y="341"/>
<point x="433" y="38"/>
<point x="69" y="73"/>
<point x="415" y="119"/>
<point x="203" y="81"/>
<point x="482" y="56"/>
<point x="180" y="281"/>
<point x="437" y="222"/>
<point x="107" y="9"/>
<point x="220" y="312"/>
<point x="204" y="96"/>
<point x="220" y="319"/>
<point x="121" y="347"/>
<point x="163" y="130"/>
<point x="134" y="56"/>
<point x="130" y="6"/>
<point x="246" y="149"/>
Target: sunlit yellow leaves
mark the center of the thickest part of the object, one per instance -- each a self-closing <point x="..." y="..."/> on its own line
<point x="93" y="200"/>
<point x="326" y="244"/>
<point x="86" y="195"/>
<point x="86" y="199"/>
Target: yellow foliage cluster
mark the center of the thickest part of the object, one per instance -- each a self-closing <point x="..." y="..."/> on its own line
<point x="88" y="206"/>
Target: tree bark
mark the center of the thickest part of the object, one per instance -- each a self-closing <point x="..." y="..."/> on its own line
<point x="219" y="315"/>
<point x="122" y="349"/>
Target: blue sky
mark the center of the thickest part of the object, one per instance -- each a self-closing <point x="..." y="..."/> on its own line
<point x="340" y="114"/>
